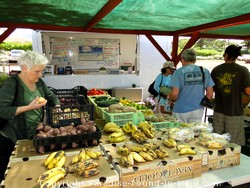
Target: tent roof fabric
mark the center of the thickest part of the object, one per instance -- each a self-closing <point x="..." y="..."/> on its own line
<point x="211" y="18"/>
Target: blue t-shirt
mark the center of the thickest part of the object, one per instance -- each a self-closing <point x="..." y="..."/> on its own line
<point x="162" y="80"/>
<point x="188" y="79"/>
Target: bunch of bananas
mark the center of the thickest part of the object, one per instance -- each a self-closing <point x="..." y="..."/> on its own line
<point x="55" y="159"/>
<point x="147" y="128"/>
<point x="87" y="168"/>
<point x="185" y="150"/>
<point x="161" y="153"/>
<point x="85" y="154"/>
<point x="50" y="177"/>
<point x="116" y="137"/>
<point x="140" y="153"/>
<point x="129" y="127"/>
<point x="111" y="127"/>
<point x="139" y="136"/>
<point x="128" y="160"/>
<point x="169" y="142"/>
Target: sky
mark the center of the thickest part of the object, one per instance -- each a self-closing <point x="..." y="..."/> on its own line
<point x="25" y="34"/>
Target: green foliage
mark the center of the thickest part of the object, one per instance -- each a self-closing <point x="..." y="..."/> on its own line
<point x="7" y="46"/>
<point x="2" y="78"/>
<point x="205" y="52"/>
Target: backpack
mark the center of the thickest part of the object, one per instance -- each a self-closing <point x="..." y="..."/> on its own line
<point x="152" y="90"/>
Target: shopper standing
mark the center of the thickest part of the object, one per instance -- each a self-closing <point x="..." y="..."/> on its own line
<point x="162" y="83"/>
<point x="231" y="79"/>
<point x="20" y="106"/>
<point x="188" y="89"/>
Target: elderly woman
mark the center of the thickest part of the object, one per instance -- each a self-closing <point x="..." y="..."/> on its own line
<point x="21" y="104"/>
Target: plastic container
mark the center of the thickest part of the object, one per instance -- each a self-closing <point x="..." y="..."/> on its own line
<point x="122" y="118"/>
<point x="78" y="93"/>
<point x="61" y="116"/>
<point x="68" y="141"/>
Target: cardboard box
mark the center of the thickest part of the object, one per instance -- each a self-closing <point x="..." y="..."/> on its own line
<point x="24" y="173"/>
<point x="156" y="172"/>
<point x="218" y="158"/>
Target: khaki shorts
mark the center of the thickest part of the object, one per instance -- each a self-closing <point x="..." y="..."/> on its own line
<point x="234" y="125"/>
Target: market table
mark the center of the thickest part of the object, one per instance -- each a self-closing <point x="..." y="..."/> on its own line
<point x="234" y="175"/>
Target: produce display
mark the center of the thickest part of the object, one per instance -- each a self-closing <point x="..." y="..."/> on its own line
<point x="95" y="91"/>
<point x="105" y="101"/>
<point x="137" y="106"/>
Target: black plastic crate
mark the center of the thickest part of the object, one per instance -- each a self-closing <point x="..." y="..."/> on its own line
<point x="66" y="142"/>
<point x="74" y="96"/>
<point x="65" y="115"/>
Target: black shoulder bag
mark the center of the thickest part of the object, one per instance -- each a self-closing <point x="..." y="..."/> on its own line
<point x="151" y="88"/>
<point x="4" y="121"/>
<point x="205" y="101"/>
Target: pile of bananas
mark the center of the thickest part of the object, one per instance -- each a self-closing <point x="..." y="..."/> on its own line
<point x="117" y="134"/>
<point x="140" y="153"/>
<point x="185" y="150"/>
<point x="139" y="137"/>
<point x="87" y="168"/>
<point x="169" y="142"/>
<point x="50" y="177"/>
<point x="129" y="127"/>
<point x="147" y="128"/>
<point x="85" y="164"/>
<point x="55" y="163"/>
<point x="85" y="154"/>
<point x="55" y="159"/>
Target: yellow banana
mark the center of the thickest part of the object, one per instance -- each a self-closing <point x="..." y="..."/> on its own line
<point x="126" y="128"/>
<point x="146" y="156"/>
<point x="75" y="159"/>
<point x="91" y="153"/>
<point x="51" y="165"/>
<point x="61" y="162"/>
<point x="82" y="155"/>
<point x="167" y="143"/>
<point x="124" y="161"/>
<point x="111" y="127"/>
<point x="98" y="153"/>
<point x="152" y="153"/>
<point x="124" y="150"/>
<point x="58" y="156"/>
<point x="136" y="148"/>
<point x="137" y="157"/>
<point x="50" y="173"/>
<point x="180" y="147"/>
<point x="116" y="134"/>
<point x="130" y="159"/>
<point x="118" y="139"/>
<point x="187" y="151"/>
<point x="161" y="153"/>
<point x="51" y="181"/>
<point x="49" y="158"/>
<point x="173" y="142"/>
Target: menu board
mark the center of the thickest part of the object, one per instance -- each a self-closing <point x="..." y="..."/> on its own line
<point x="85" y="53"/>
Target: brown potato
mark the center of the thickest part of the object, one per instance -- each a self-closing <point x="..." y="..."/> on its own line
<point x="41" y="135"/>
<point x="83" y="128"/>
<point x="92" y="128"/>
<point x="47" y="128"/>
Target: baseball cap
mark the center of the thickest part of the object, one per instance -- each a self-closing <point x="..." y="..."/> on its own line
<point x="169" y="64"/>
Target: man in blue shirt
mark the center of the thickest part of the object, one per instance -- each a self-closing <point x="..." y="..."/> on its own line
<point x="188" y="89"/>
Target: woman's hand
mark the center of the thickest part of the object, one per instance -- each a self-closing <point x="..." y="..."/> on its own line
<point x="37" y="103"/>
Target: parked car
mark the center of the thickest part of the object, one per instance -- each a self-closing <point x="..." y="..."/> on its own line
<point x="14" y="55"/>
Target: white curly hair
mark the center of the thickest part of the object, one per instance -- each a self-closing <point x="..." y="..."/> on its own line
<point x="30" y="58"/>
